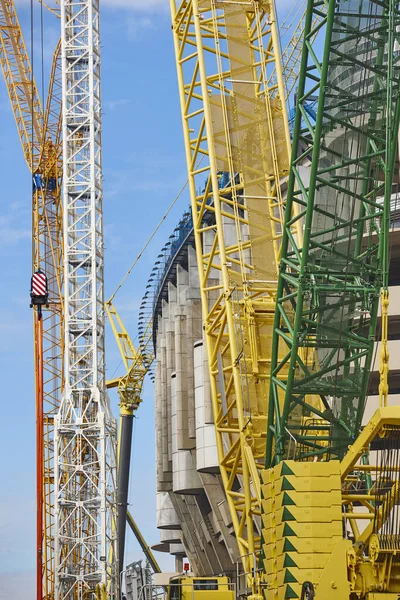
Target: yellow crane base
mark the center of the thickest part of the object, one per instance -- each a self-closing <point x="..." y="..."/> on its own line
<point x="303" y="531"/>
<point x="325" y="524"/>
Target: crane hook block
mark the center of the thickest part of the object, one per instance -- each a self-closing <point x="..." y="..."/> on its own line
<point x="39" y="290"/>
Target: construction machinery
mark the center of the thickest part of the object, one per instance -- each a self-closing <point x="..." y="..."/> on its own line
<point x="188" y="588"/>
<point x="39" y="129"/>
<point x="234" y="116"/>
<point x="292" y="249"/>
<point x="85" y="532"/>
<point x="40" y="132"/>
<point x="292" y="262"/>
<point x="330" y="508"/>
<point x="143" y="544"/>
<point x="137" y="364"/>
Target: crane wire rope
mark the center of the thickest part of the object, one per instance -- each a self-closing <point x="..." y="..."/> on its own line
<point x="31" y="83"/>
<point x="150" y="238"/>
<point x="138" y="257"/>
<point x="280" y="41"/>
<point x="38" y="353"/>
<point x="291" y="17"/>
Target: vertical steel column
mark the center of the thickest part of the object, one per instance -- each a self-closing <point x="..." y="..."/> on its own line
<point x="39" y="453"/>
<point x="85" y="432"/>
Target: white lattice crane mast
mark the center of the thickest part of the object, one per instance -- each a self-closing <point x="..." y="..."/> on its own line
<point x="85" y="431"/>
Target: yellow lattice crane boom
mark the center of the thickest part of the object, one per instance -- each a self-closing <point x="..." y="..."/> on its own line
<point x="232" y="98"/>
<point x="40" y="134"/>
<point x="22" y="89"/>
<point x="291" y="54"/>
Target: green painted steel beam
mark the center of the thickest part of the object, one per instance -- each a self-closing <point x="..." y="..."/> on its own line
<point x="330" y="282"/>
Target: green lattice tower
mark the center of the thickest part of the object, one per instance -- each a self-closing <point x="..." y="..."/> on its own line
<point x="330" y="282"/>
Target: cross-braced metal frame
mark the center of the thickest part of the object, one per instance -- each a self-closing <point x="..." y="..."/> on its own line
<point x="48" y="256"/>
<point x="85" y="431"/>
<point x="329" y="285"/>
<point x="237" y="150"/>
<point x="40" y="135"/>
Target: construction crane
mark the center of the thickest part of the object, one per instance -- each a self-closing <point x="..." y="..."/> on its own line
<point x="303" y="340"/>
<point x="297" y="353"/>
<point x="137" y="364"/>
<point x="85" y="532"/>
<point x="291" y="54"/>
<point x="232" y="98"/>
<point x="40" y="134"/>
<point x="331" y="492"/>
<point x="39" y="130"/>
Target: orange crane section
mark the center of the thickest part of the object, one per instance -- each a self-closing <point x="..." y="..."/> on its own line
<point x="40" y="135"/>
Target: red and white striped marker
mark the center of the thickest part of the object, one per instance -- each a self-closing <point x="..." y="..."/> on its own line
<point x="39" y="284"/>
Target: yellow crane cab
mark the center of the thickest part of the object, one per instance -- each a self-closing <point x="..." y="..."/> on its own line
<point x="200" y="588"/>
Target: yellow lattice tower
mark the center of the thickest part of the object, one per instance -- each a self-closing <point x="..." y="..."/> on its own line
<point x="40" y="134"/>
<point x="237" y="150"/>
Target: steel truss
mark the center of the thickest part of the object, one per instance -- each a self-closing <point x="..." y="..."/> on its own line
<point x="237" y="150"/>
<point x="85" y="431"/>
<point x="40" y="135"/>
<point x="329" y="285"/>
<point x="48" y="256"/>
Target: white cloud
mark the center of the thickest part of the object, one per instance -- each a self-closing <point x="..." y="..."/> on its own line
<point x="113" y="104"/>
<point x="139" y="25"/>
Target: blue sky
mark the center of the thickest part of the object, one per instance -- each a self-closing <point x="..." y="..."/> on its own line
<point x="144" y="168"/>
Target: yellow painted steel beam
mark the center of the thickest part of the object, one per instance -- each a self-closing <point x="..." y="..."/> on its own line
<point x="40" y="135"/>
<point x="21" y="87"/>
<point x="143" y="544"/>
<point x="376" y="502"/>
<point x="291" y="55"/>
<point x="47" y="251"/>
<point x="232" y="98"/>
<point x="388" y="416"/>
<point x="137" y="362"/>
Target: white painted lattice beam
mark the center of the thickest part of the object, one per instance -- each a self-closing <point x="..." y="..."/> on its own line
<point x="85" y="432"/>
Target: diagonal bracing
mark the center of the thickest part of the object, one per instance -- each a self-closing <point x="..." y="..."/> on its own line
<point x="85" y="431"/>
